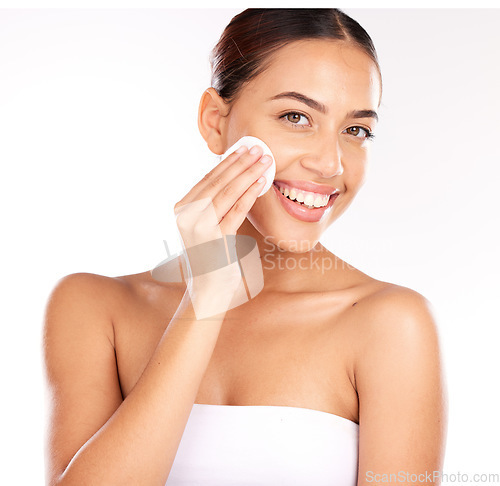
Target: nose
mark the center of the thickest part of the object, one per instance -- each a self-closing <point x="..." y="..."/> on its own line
<point x="324" y="158"/>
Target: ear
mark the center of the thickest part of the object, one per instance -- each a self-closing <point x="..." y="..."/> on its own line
<point x="211" y="120"/>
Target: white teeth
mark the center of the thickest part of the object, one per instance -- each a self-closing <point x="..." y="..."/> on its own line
<point x="310" y="200"/>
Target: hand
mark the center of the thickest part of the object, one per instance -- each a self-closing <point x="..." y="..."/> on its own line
<point x="227" y="193"/>
<point x="215" y="207"/>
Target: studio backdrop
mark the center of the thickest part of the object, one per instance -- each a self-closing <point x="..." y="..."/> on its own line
<point x="99" y="139"/>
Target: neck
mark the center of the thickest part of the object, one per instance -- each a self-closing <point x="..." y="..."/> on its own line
<point x="290" y="271"/>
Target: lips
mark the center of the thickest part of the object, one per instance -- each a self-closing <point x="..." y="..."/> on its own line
<point x="306" y="186"/>
<point x="300" y="212"/>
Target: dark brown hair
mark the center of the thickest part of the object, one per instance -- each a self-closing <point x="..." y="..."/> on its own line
<point x="253" y="35"/>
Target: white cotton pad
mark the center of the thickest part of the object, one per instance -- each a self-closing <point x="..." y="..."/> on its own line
<point x="249" y="142"/>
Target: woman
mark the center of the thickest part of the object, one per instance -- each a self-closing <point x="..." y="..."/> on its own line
<point x="327" y="376"/>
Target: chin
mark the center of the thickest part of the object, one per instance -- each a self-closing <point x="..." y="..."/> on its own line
<point x="295" y="237"/>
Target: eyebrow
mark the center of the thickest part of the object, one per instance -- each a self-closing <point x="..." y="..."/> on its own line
<point x="363" y="114"/>
<point x="316" y="105"/>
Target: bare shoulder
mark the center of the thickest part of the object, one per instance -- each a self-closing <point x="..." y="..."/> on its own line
<point x="400" y="381"/>
<point x="374" y="300"/>
<point x="107" y="294"/>
<point x="83" y="329"/>
<point x="82" y="294"/>
<point x="80" y="366"/>
<point x="85" y="285"/>
<point x="380" y="315"/>
<point x="395" y="312"/>
<point x="91" y="305"/>
<point x="78" y="320"/>
<point x="387" y="319"/>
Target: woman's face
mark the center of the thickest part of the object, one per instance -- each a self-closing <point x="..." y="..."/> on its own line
<point x="314" y="107"/>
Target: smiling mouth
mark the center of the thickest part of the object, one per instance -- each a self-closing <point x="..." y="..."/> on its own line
<point x="308" y="199"/>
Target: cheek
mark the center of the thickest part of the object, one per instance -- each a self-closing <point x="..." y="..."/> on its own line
<point x="355" y="174"/>
<point x="239" y="124"/>
<point x="285" y="153"/>
<point x="355" y="162"/>
<point x="234" y="132"/>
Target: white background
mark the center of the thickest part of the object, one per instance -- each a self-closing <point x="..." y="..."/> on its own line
<point x="98" y="140"/>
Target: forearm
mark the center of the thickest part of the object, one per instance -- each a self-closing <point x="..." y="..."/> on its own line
<point x="138" y="444"/>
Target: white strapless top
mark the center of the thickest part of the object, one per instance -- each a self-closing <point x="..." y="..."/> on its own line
<point x="261" y="445"/>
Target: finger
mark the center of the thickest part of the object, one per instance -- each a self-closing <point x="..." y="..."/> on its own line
<point x="214" y="177"/>
<point x="237" y="214"/>
<point x="229" y="195"/>
<point x="216" y="181"/>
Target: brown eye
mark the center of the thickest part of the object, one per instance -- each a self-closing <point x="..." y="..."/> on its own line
<point x="293" y="117"/>
<point x="360" y="132"/>
<point x="296" y="118"/>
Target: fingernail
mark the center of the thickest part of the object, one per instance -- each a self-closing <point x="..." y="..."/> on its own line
<point x="241" y="149"/>
<point x="266" y="159"/>
<point x="255" y="150"/>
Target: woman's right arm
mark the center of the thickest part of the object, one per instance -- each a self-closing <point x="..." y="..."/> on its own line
<point x="94" y="436"/>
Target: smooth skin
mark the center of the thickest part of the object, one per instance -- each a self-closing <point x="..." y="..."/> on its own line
<point x="126" y="359"/>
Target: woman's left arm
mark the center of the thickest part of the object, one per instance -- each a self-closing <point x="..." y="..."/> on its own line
<point x="402" y="391"/>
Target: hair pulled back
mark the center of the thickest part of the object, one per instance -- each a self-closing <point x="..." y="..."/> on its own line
<point x="253" y="35"/>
